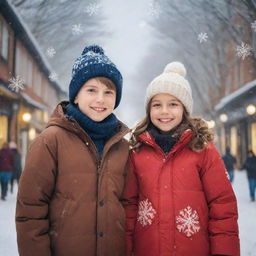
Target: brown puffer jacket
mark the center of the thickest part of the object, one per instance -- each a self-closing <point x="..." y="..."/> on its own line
<point x="68" y="201"/>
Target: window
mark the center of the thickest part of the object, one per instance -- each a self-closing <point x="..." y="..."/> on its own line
<point x="3" y="129"/>
<point x="253" y="137"/>
<point x="5" y="42"/>
<point x="233" y="140"/>
<point x="29" y="81"/>
<point x="38" y="83"/>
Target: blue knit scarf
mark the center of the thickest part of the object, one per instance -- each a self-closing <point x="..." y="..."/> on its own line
<point x="99" y="132"/>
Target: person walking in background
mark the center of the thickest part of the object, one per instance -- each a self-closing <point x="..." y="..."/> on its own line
<point x="6" y="169"/>
<point x="16" y="164"/>
<point x="250" y="166"/>
<point x="229" y="161"/>
<point x="178" y="199"/>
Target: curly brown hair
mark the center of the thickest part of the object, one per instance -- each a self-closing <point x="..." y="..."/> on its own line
<point x="202" y="133"/>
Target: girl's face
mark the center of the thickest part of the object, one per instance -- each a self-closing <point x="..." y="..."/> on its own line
<point x="166" y="111"/>
<point x="96" y="100"/>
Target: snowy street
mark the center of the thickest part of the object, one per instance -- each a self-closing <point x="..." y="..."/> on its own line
<point x="247" y="220"/>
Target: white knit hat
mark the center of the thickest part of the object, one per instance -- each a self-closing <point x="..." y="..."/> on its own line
<point x="172" y="81"/>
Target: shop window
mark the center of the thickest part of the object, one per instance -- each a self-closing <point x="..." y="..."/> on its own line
<point x="233" y="140"/>
<point x="253" y="137"/>
<point x="3" y="129"/>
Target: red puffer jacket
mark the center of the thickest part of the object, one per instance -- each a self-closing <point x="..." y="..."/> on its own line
<point x="181" y="204"/>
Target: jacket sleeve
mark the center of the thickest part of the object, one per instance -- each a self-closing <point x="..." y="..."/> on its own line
<point x="223" y="214"/>
<point x="34" y="194"/>
<point x="130" y="203"/>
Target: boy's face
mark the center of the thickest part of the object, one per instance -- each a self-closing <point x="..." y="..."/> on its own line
<point x="96" y="100"/>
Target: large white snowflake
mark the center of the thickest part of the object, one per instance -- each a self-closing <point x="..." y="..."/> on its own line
<point x="146" y="213"/>
<point x="244" y="50"/>
<point x="188" y="221"/>
<point x="202" y="37"/>
<point x="154" y="9"/>
<point x="50" y="52"/>
<point x="253" y="25"/>
<point x="92" y="9"/>
<point x="77" y="29"/>
<point x="16" y="84"/>
<point x="53" y="76"/>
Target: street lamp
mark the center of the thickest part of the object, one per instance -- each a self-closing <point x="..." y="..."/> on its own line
<point x="250" y="109"/>
<point x="26" y="117"/>
<point x="223" y="118"/>
<point x="211" y="124"/>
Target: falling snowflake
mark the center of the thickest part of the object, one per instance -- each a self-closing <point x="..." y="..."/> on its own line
<point x="50" y="52"/>
<point x="53" y="76"/>
<point x="154" y="9"/>
<point x="146" y="213"/>
<point x="243" y="50"/>
<point x="16" y="84"/>
<point x="92" y="9"/>
<point x="142" y="24"/>
<point x="188" y="220"/>
<point x="77" y="29"/>
<point x="202" y="37"/>
<point x="253" y="25"/>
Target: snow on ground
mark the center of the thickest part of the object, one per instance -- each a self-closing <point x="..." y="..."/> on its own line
<point x="247" y="215"/>
<point x="247" y="220"/>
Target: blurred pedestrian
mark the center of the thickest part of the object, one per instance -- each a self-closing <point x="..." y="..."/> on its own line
<point x="6" y="168"/>
<point x="229" y="161"/>
<point x="250" y="166"/>
<point x="16" y="164"/>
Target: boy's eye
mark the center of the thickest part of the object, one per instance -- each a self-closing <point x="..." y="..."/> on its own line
<point x="91" y="90"/>
<point x="109" y="92"/>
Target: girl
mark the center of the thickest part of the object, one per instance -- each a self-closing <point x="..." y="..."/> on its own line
<point x="178" y="199"/>
<point x="68" y="199"/>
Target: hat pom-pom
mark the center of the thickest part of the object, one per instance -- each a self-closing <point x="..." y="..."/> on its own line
<point x="93" y="48"/>
<point x="176" y="67"/>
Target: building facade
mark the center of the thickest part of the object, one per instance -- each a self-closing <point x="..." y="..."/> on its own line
<point x="27" y="94"/>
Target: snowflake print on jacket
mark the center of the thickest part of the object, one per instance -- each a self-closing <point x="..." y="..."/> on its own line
<point x="188" y="220"/>
<point x="146" y="213"/>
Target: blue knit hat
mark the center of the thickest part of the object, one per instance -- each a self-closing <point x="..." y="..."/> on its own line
<point x="94" y="63"/>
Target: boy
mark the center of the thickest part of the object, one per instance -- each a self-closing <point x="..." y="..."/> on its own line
<point x="68" y="199"/>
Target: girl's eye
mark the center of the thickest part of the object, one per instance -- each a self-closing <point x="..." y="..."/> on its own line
<point x="156" y="105"/>
<point x="174" y="104"/>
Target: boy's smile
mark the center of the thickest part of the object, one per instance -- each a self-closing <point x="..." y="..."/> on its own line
<point x="96" y="100"/>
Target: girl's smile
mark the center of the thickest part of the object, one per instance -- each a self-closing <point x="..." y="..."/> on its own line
<point x="166" y="111"/>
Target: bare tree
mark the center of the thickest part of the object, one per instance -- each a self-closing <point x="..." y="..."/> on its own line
<point x="227" y="24"/>
<point x="65" y="26"/>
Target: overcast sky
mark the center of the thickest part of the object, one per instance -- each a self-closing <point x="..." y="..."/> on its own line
<point x="127" y="44"/>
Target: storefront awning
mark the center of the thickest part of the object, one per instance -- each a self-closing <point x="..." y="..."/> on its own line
<point x="246" y="89"/>
<point x="6" y="92"/>
<point x="235" y="104"/>
<point x="33" y="102"/>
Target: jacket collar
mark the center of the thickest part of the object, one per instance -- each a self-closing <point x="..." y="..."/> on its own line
<point x="60" y="119"/>
<point x="148" y="139"/>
